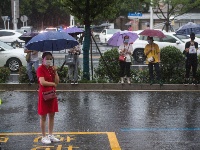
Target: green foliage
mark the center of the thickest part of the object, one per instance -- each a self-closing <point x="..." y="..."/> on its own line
<point x="140" y="76"/>
<point x="172" y="64"/>
<point x="108" y="69"/>
<point x="23" y="76"/>
<point x="4" y="74"/>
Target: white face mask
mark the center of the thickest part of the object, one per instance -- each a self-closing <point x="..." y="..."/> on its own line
<point x="48" y="62"/>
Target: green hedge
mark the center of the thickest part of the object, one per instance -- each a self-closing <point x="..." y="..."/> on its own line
<point x="4" y="74"/>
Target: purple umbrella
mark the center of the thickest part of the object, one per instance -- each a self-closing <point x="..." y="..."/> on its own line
<point x="118" y="38"/>
<point x="73" y="30"/>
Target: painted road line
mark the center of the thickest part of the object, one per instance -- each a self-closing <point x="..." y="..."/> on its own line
<point x="112" y="90"/>
<point x="113" y="141"/>
<point x="159" y="129"/>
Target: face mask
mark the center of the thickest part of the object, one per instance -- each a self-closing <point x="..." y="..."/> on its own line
<point x="126" y="40"/>
<point x="48" y="62"/>
<point x="149" y="41"/>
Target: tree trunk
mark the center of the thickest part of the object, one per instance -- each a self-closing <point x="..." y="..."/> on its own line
<point x="86" y="48"/>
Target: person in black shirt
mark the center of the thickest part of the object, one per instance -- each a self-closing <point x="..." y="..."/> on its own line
<point x="190" y="51"/>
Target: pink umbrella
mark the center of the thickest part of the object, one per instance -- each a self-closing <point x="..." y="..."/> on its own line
<point x="152" y="33"/>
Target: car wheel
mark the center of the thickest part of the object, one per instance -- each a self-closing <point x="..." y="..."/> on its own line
<point x="139" y="55"/>
<point x="14" y="64"/>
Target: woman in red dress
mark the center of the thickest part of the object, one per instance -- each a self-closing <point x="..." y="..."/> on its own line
<point x="48" y="79"/>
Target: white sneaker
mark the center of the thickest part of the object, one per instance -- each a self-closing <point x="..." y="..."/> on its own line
<point x="46" y="140"/>
<point x="53" y="138"/>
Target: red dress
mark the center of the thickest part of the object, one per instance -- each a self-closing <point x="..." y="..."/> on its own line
<point x="50" y="106"/>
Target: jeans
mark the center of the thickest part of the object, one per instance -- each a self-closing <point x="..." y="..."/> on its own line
<point x="29" y="68"/>
<point x="157" y="69"/>
<point x="73" y="69"/>
<point x="125" y="69"/>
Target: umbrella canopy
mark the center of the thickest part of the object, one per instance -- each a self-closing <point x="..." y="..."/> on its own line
<point x="51" y="41"/>
<point x="73" y="30"/>
<point x="188" y="29"/>
<point x="28" y="36"/>
<point x="152" y="33"/>
<point x="118" y="38"/>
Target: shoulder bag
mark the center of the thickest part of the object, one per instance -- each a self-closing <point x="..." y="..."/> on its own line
<point x="49" y="95"/>
<point x="69" y="59"/>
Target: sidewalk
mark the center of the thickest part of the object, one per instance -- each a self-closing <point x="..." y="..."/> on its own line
<point x="103" y="87"/>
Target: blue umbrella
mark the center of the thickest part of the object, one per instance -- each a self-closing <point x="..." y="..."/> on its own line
<point x="188" y="28"/>
<point x="51" y="41"/>
<point x="118" y="38"/>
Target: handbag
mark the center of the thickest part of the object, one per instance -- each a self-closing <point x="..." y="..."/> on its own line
<point x="28" y="57"/>
<point x="151" y="59"/>
<point x="122" y="58"/>
<point x="49" y="95"/>
<point x="69" y="59"/>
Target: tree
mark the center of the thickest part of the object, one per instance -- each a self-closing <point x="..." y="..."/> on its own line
<point x="172" y="8"/>
<point x="87" y="11"/>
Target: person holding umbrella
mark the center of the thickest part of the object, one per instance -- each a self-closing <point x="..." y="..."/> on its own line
<point x="48" y="79"/>
<point x="190" y="52"/>
<point x="125" y="50"/>
<point x="152" y="53"/>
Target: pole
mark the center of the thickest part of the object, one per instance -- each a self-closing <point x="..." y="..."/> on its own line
<point x="14" y="21"/>
<point x="4" y="24"/>
<point x="151" y="15"/>
<point x="8" y="24"/>
<point x="91" y="58"/>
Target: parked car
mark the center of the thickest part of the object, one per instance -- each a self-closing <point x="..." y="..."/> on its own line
<point x="12" y="58"/>
<point x="10" y="36"/>
<point x="106" y="34"/>
<point x="170" y="40"/>
<point x="25" y="29"/>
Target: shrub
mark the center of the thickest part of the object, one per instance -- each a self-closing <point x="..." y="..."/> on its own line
<point x="4" y="74"/>
<point x="172" y="65"/>
<point x="108" y="68"/>
<point x="23" y="76"/>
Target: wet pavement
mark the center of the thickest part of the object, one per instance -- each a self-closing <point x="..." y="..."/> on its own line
<point x="104" y="121"/>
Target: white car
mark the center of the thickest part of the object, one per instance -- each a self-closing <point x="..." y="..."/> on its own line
<point x="10" y="36"/>
<point x="12" y="58"/>
<point x="170" y="40"/>
<point x="106" y="34"/>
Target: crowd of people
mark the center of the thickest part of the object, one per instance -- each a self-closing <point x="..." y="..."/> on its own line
<point x="152" y="53"/>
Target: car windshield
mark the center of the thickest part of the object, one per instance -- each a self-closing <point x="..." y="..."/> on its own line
<point x="112" y="31"/>
<point x="182" y="37"/>
<point x="6" y="46"/>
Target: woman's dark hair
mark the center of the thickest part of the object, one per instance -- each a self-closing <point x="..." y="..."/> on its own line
<point x="45" y="54"/>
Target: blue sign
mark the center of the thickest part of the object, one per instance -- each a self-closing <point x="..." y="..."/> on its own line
<point x="135" y="14"/>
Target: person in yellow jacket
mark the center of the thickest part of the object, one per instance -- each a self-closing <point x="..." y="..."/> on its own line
<point x="152" y="53"/>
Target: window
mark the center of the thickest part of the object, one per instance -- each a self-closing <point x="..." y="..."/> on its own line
<point x="168" y="39"/>
<point x="6" y="33"/>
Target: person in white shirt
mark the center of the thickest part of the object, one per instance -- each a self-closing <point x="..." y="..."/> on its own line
<point x="125" y="50"/>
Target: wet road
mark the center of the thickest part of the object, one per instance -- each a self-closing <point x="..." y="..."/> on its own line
<point x="105" y="121"/>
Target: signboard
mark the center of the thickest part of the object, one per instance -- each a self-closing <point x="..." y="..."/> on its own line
<point x="24" y="18"/>
<point x="134" y="14"/>
<point x="4" y="18"/>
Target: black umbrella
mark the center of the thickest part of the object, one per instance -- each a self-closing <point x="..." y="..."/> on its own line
<point x="28" y="36"/>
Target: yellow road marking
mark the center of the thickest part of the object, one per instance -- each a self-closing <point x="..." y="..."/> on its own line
<point x="113" y="141"/>
<point x="111" y="137"/>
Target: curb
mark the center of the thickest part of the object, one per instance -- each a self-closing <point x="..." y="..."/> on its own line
<point x="103" y="87"/>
